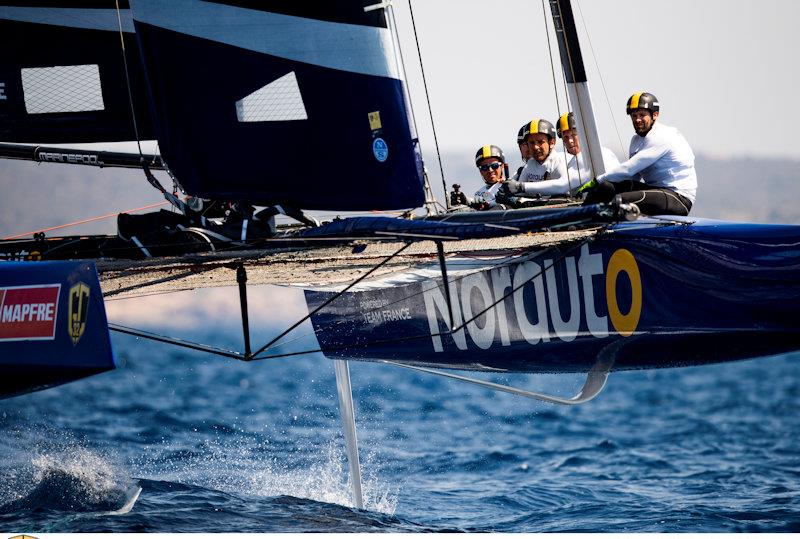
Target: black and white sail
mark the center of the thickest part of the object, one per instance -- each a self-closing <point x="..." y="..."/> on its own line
<point x="272" y="103"/>
<point x="280" y="103"/>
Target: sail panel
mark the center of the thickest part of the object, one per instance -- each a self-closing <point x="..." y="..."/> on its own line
<point x="347" y="12"/>
<point x="335" y="136"/>
<point x="62" y="89"/>
<point x="65" y="81"/>
<point x="348" y="47"/>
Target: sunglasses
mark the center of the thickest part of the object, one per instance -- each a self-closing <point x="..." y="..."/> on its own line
<point x="490" y="166"/>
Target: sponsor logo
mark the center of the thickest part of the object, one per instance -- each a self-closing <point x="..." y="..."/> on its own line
<point x="29" y="313"/>
<point x="375" y="120"/>
<point x="537" y="304"/>
<point x="387" y="315"/>
<point x="73" y="158"/>
<point x="380" y="149"/>
<point x="78" y="309"/>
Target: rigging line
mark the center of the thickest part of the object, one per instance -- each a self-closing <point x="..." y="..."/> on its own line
<point x="600" y="76"/>
<point x="175" y="341"/>
<point x="577" y="160"/>
<point x="428" y="99"/>
<point x="331" y="299"/>
<point x="552" y="64"/>
<point x="366" y="344"/>
<point x="514" y="261"/>
<point x="145" y="168"/>
<point x="517" y="260"/>
<point x="555" y="86"/>
<point x="402" y="65"/>
<point x="572" y="71"/>
<point x="128" y="83"/>
<point x="98" y="218"/>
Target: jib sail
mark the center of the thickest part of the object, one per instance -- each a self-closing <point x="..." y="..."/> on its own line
<point x="62" y="73"/>
<point x="295" y="103"/>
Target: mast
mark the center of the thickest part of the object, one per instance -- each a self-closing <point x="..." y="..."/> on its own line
<point x="577" y="87"/>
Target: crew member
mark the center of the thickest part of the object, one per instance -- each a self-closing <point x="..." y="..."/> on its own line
<point x="493" y="168"/>
<point x="544" y="163"/>
<point x="659" y="176"/>
<point x="579" y="170"/>
<point x="524" y="151"/>
<point x="457" y="197"/>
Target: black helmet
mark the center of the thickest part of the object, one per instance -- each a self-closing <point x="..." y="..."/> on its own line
<point x="642" y="100"/>
<point x="485" y="152"/>
<point x="539" y="126"/>
<point x="565" y="123"/>
<point x="521" y="134"/>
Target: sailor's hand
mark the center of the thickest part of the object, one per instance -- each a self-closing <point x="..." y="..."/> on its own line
<point x="478" y="202"/>
<point x="588" y="186"/>
<point x="512" y="187"/>
<point x="502" y="197"/>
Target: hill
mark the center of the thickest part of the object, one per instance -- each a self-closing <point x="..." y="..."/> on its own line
<point x="36" y="196"/>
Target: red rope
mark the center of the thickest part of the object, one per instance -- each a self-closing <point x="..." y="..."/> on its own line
<point x="81" y="222"/>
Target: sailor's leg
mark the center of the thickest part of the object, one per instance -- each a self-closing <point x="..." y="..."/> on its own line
<point x="604" y="192"/>
<point x="658" y="201"/>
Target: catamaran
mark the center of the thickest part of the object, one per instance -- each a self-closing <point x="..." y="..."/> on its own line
<point x="558" y="288"/>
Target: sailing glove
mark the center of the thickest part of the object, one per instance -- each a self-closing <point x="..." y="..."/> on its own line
<point x="512" y="187"/>
<point x="588" y="186"/>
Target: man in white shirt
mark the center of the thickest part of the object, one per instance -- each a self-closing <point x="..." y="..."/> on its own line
<point x="659" y="176"/>
<point x="492" y="165"/>
<point x="544" y="164"/>
<point x="578" y="171"/>
<point x="524" y="151"/>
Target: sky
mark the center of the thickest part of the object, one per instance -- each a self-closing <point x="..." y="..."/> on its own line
<point x="724" y="71"/>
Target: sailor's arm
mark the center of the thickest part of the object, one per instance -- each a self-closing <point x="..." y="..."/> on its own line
<point x="634" y="165"/>
<point x="558" y="186"/>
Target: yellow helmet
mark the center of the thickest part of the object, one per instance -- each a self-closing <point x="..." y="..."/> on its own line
<point x="539" y="126"/>
<point x="565" y="123"/>
<point x="642" y="100"/>
<point x="484" y="152"/>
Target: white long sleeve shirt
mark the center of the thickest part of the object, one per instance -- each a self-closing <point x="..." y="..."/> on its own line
<point x="661" y="158"/>
<point x="487" y="194"/>
<point x="554" y="168"/>
<point x="577" y="173"/>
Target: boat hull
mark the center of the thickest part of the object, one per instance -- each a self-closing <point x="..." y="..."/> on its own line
<point x="53" y="326"/>
<point x="643" y="295"/>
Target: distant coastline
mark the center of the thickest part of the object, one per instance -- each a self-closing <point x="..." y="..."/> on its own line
<point x="41" y="195"/>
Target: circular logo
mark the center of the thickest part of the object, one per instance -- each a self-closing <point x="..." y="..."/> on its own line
<point x="380" y="149"/>
<point x="622" y="261"/>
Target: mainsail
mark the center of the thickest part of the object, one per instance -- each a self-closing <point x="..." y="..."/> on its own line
<point x="295" y="104"/>
<point x="298" y="105"/>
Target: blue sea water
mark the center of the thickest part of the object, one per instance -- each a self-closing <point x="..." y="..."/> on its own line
<point x="221" y="446"/>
